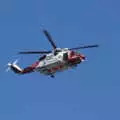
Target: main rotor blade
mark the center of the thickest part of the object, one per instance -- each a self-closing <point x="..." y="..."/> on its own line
<point x="35" y="52"/>
<point x="84" y="47"/>
<point x="49" y="38"/>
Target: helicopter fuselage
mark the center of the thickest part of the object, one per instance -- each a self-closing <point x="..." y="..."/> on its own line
<point x="63" y="60"/>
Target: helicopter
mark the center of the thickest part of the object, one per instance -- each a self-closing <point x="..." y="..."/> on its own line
<point x="52" y="61"/>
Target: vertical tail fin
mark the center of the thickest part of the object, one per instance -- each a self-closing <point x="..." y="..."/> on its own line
<point x="14" y="67"/>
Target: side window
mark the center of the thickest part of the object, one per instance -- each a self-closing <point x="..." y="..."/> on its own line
<point x="65" y="56"/>
<point x="49" y="57"/>
<point x="59" y="56"/>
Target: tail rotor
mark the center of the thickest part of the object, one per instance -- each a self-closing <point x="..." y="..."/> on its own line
<point x="10" y="64"/>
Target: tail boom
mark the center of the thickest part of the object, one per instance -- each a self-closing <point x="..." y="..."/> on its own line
<point x="16" y="69"/>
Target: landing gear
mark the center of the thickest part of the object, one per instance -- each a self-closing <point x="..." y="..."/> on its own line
<point x="52" y="76"/>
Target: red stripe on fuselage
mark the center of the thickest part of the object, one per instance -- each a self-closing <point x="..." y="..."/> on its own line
<point x="30" y="68"/>
<point x="53" y="69"/>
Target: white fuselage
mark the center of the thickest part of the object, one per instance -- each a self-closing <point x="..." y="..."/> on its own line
<point x="53" y="63"/>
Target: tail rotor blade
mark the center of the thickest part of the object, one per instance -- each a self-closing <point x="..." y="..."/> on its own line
<point x="10" y="64"/>
<point x="8" y="67"/>
<point x="15" y="62"/>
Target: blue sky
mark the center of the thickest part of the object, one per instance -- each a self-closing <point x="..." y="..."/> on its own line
<point x="89" y="92"/>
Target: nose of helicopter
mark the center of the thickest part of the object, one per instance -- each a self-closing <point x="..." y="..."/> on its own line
<point x="82" y="57"/>
<point x="77" y="58"/>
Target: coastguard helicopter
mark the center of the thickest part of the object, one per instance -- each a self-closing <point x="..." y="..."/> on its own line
<point x="53" y="61"/>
